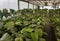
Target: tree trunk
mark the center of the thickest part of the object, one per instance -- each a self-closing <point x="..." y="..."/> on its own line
<point x="49" y="30"/>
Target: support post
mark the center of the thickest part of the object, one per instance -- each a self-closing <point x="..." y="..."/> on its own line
<point x="28" y="5"/>
<point x="38" y="7"/>
<point x="33" y="9"/>
<point x="58" y="6"/>
<point x="33" y="6"/>
<point x="18" y="5"/>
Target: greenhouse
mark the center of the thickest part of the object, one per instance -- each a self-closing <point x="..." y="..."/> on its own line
<point x="30" y="20"/>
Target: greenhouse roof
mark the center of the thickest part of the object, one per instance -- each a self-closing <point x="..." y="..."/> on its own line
<point x="43" y="2"/>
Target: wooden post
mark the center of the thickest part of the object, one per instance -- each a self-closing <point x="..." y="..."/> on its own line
<point x="18" y="5"/>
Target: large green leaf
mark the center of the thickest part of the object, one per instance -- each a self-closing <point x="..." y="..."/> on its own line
<point x="58" y="39"/>
<point x="26" y="30"/>
<point x="9" y="25"/>
<point x="40" y="32"/>
<point x="42" y="39"/>
<point x="19" y="39"/>
<point x="34" y="36"/>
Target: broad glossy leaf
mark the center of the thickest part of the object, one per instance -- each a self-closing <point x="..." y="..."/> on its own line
<point x="19" y="39"/>
<point x="34" y="36"/>
<point x="40" y="32"/>
<point x="9" y="25"/>
<point x="26" y="30"/>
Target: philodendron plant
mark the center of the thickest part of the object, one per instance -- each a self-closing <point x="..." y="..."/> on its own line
<point x="30" y="34"/>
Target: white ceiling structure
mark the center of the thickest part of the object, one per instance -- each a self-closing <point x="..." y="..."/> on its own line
<point x="43" y="2"/>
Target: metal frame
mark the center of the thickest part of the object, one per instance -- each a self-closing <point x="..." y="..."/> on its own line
<point x="39" y="2"/>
